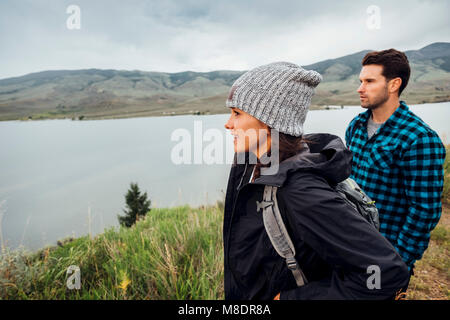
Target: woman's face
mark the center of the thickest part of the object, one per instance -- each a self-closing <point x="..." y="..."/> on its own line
<point x="249" y="133"/>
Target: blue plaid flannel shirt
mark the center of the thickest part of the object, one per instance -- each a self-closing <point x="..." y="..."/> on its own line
<point x="401" y="168"/>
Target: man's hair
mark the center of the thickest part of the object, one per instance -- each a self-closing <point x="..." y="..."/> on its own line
<point x="395" y="64"/>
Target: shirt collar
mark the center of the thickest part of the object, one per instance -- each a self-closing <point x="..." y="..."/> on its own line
<point x="398" y="117"/>
<point x="394" y="120"/>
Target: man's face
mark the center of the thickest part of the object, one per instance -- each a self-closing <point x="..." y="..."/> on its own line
<point x="373" y="90"/>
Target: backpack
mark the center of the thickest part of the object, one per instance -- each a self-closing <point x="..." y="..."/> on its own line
<point x="348" y="189"/>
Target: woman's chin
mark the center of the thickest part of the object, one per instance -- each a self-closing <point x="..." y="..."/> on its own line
<point x="238" y="149"/>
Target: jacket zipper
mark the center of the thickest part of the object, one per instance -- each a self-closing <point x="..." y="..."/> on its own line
<point x="231" y="220"/>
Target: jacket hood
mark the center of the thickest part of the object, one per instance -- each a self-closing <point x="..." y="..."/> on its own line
<point x="324" y="154"/>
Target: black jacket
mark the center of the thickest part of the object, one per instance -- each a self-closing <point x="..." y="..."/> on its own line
<point x="334" y="244"/>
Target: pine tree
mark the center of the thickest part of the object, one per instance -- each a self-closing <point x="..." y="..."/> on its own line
<point x="137" y="206"/>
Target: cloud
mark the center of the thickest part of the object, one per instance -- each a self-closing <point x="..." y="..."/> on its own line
<point x="205" y="35"/>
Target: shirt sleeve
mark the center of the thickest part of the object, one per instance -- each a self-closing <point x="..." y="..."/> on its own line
<point x="423" y="178"/>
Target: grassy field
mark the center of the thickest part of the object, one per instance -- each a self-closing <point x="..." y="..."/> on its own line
<point x="431" y="278"/>
<point x="173" y="253"/>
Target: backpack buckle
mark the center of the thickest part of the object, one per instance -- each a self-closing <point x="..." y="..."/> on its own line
<point x="263" y="204"/>
<point x="291" y="263"/>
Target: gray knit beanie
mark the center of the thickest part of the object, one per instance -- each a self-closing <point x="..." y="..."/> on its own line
<point x="278" y="94"/>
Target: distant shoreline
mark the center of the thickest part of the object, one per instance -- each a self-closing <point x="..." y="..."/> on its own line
<point x="153" y="114"/>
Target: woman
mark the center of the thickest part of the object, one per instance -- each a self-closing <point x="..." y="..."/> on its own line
<point x="335" y="247"/>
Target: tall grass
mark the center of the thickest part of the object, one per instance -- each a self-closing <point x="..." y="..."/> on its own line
<point x="171" y="254"/>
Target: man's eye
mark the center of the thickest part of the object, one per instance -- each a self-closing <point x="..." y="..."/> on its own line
<point x="235" y="113"/>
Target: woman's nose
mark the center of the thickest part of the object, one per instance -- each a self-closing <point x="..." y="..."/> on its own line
<point x="228" y="124"/>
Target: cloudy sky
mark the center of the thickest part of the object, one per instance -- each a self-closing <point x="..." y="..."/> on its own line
<point x="206" y="35"/>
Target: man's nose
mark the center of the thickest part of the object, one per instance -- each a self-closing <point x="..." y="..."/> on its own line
<point x="360" y="89"/>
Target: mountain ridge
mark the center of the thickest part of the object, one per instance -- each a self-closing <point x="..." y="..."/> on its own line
<point x="108" y="93"/>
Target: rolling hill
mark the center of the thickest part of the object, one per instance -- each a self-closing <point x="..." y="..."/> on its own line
<point x="95" y="93"/>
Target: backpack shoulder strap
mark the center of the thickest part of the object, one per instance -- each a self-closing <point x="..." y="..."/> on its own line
<point x="277" y="232"/>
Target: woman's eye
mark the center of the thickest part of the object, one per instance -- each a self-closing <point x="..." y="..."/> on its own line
<point x="235" y="113"/>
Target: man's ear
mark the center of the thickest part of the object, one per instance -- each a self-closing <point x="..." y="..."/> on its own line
<point x="394" y="84"/>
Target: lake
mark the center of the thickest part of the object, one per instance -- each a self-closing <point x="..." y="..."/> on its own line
<point x="62" y="178"/>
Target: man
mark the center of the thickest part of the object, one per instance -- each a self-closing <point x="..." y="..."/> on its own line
<point x="397" y="158"/>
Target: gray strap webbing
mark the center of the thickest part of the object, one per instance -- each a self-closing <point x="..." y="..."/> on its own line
<point x="277" y="232"/>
